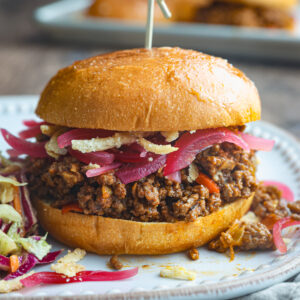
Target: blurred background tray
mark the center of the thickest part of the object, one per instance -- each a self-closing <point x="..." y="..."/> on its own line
<point x="66" y="20"/>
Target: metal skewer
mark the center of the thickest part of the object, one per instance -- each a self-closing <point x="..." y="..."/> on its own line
<point x="150" y="19"/>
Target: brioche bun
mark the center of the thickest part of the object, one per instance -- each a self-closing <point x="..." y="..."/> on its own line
<point x="280" y="4"/>
<point x="133" y="10"/>
<point x="163" y="89"/>
<point x="136" y="10"/>
<point x="115" y="236"/>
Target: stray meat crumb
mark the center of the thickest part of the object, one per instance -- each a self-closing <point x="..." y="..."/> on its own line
<point x="115" y="263"/>
<point x="244" y="236"/>
<point x="193" y="254"/>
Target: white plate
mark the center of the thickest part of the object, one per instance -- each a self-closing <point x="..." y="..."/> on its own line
<point x="66" y="20"/>
<point x="217" y="277"/>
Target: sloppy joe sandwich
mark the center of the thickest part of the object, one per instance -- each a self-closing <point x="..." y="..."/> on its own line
<point x="251" y="13"/>
<point x="142" y="151"/>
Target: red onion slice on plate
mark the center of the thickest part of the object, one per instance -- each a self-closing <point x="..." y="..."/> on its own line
<point x="55" y="278"/>
<point x="277" y="228"/>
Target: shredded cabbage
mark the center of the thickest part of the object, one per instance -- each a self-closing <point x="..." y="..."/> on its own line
<point x="7" y="245"/>
<point x="7" y="188"/>
<point x="39" y="248"/>
<point x="11" y="181"/>
<point x="6" y="193"/>
<point x="9" y="214"/>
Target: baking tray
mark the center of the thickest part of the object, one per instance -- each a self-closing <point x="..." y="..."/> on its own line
<point x="66" y="20"/>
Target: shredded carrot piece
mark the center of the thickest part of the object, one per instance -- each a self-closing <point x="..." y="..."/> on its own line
<point x="71" y="207"/>
<point x="270" y="220"/>
<point x="14" y="263"/>
<point x="17" y="201"/>
<point x="207" y="182"/>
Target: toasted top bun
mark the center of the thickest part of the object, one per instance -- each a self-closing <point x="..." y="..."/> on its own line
<point x="115" y="236"/>
<point x="163" y="89"/>
<point x="280" y="4"/>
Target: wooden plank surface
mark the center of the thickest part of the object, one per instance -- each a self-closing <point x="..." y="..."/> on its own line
<point x="28" y="59"/>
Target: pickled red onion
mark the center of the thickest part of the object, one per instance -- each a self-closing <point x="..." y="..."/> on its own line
<point x="277" y="228"/>
<point x="24" y="147"/>
<point x="137" y="148"/>
<point x="31" y="123"/>
<point x="99" y="157"/>
<point x="191" y="144"/>
<point x="176" y="176"/>
<point x="287" y="193"/>
<point x="30" y="132"/>
<point x="257" y="143"/>
<point x="56" y="278"/>
<point x="131" y="157"/>
<point x="66" y="138"/>
<point x="102" y="170"/>
<point x="133" y="172"/>
<point x="13" y="153"/>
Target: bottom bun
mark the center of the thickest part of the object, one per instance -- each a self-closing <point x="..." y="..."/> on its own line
<point x="103" y="235"/>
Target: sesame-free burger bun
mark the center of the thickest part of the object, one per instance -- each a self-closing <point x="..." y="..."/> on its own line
<point x="103" y="235"/>
<point x="133" y="10"/>
<point x="163" y="89"/>
<point x="279" y="4"/>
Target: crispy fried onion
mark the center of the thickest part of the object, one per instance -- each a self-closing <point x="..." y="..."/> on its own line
<point x="49" y="130"/>
<point x="157" y="149"/>
<point x="67" y="265"/>
<point x="100" y="144"/>
<point x="52" y="147"/>
<point x="7" y="166"/>
<point x="119" y="139"/>
<point x="170" y="135"/>
<point x="193" y="173"/>
<point x="230" y="238"/>
<point x="250" y="217"/>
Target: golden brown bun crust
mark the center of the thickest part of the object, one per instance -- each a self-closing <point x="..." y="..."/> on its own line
<point x="134" y="10"/>
<point x="115" y="236"/>
<point x="280" y="4"/>
<point x="165" y="89"/>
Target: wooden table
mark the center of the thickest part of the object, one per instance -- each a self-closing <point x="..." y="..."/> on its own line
<point x="28" y="59"/>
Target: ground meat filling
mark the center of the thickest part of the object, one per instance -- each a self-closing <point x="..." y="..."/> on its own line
<point x="255" y="236"/>
<point x="267" y="202"/>
<point x="151" y="199"/>
<point x="244" y="15"/>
